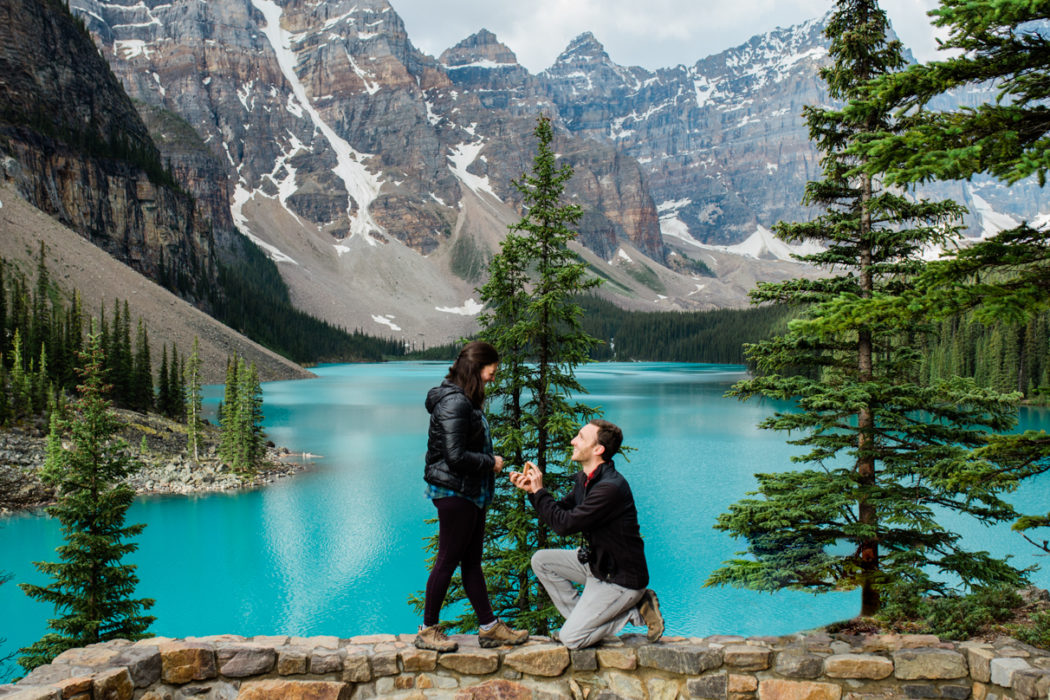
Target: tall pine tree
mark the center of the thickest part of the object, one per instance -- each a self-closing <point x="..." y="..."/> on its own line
<point x="535" y="321"/>
<point x="885" y="449"/>
<point x="91" y="589"/>
<point x="1002" y="43"/>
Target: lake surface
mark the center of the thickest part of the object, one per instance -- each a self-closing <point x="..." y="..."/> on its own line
<point x="339" y="549"/>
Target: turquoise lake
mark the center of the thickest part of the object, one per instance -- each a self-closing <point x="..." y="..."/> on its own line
<point x="337" y="550"/>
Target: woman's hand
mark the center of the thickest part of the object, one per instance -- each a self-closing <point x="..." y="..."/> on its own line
<point x="498" y="467"/>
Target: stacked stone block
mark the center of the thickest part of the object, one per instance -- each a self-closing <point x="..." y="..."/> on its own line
<point x="813" y="666"/>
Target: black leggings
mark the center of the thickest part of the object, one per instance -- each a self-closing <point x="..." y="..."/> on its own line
<point x="461" y="534"/>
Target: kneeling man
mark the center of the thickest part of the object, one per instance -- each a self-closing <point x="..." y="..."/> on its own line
<point x="611" y="567"/>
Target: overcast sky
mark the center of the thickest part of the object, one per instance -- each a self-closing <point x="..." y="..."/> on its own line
<point x="648" y="33"/>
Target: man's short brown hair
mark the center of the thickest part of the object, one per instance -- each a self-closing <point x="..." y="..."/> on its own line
<point x="609" y="436"/>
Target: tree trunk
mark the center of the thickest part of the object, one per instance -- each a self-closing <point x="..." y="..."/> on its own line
<point x="869" y="548"/>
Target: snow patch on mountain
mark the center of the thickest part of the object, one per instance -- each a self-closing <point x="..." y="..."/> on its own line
<point x="387" y="320"/>
<point x="283" y="174"/>
<point x="992" y="222"/>
<point x="704" y="89"/>
<point x="616" y="130"/>
<point x="481" y="63"/>
<point x="462" y="156"/>
<point x="131" y="48"/>
<point x="293" y="107"/>
<point x="673" y="227"/>
<point x="362" y="186"/>
<point x="432" y="116"/>
<point x="469" y="308"/>
<point x="699" y="288"/>
<point x="241" y="196"/>
<point x="763" y="245"/>
<point x="370" y="87"/>
<point x="672" y="205"/>
<point x="670" y="225"/>
<point x="347" y="17"/>
<point x="244" y="93"/>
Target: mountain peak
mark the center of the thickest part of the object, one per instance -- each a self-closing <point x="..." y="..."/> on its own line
<point x="482" y="47"/>
<point x="585" y="48"/>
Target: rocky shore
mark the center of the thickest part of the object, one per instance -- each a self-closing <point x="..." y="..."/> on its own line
<point x="166" y="466"/>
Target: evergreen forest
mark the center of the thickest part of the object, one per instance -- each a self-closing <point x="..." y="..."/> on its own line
<point x="252" y="298"/>
<point x="42" y="337"/>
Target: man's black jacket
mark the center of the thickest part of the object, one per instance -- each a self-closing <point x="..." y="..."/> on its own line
<point x="604" y="512"/>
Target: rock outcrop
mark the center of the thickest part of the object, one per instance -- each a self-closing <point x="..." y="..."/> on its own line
<point x="85" y="156"/>
<point x="164" y="467"/>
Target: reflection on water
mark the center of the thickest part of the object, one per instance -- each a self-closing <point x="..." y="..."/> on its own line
<point x="339" y="549"/>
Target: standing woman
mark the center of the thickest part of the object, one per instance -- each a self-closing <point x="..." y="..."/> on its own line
<point x="460" y="475"/>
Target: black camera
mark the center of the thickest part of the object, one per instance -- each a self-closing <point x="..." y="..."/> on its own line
<point x="583" y="554"/>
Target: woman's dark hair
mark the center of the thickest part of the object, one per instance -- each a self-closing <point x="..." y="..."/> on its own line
<point x="466" y="370"/>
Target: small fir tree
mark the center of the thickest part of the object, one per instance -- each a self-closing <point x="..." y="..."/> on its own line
<point x="142" y="372"/>
<point x="194" y="400"/>
<point x="40" y="316"/>
<point x="21" y="388"/>
<point x="242" y="440"/>
<point x="250" y="439"/>
<point x="72" y="343"/>
<point x="4" y="326"/>
<point x="91" y="589"/>
<point x="5" y="407"/>
<point x="163" y="385"/>
<point x="176" y="387"/>
<point x="228" y="418"/>
<point x="39" y="385"/>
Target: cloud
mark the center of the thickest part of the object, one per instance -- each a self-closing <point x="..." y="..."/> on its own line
<point x="652" y="34"/>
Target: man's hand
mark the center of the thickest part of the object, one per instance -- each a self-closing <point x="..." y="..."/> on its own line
<point x="530" y="479"/>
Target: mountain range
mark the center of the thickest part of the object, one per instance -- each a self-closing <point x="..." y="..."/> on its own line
<point x="380" y="180"/>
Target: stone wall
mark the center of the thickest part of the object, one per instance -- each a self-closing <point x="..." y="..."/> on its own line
<point x="813" y="666"/>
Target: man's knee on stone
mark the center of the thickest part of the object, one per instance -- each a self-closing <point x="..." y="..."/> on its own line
<point x="576" y="637"/>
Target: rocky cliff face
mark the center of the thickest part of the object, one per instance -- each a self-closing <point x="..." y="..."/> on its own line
<point x="336" y="132"/>
<point x="721" y="142"/>
<point x="195" y="168"/>
<point x="84" y="154"/>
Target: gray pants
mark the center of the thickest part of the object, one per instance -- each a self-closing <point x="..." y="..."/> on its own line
<point x="600" y="611"/>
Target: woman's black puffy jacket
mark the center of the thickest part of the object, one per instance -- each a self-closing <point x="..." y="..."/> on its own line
<point x="459" y="449"/>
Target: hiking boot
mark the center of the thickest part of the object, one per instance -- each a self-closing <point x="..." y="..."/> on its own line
<point x="501" y="634"/>
<point x="649" y="610"/>
<point x="434" y="639"/>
